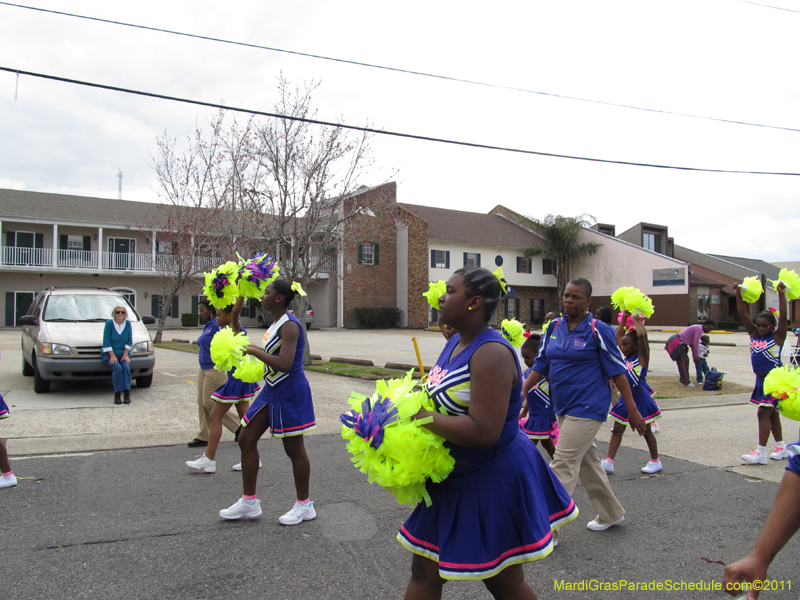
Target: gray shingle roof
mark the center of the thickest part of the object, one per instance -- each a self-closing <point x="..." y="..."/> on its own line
<point x="770" y="270"/>
<point x="479" y="229"/>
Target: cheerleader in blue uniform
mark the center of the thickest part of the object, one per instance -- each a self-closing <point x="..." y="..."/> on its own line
<point x="537" y="406"/>
<point x="500" y="505"/>
<point x="636" y="350"/>
<point x="767" y="336"/>
<point x="233" y="392"/>
<point x="284" y="407"/>
<point x="7" y="478"/>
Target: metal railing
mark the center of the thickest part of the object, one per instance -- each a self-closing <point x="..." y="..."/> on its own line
<point x="77" y="259"/>
<point x="27" y="257"/>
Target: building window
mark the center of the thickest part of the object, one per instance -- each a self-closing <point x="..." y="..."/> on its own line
<point x="651" y="241"/>
<point x="548" y="266"/>
<point x="440" y="259"/>
<point x="512" y="308"/>
<point x="472" y="260"/>
<point x="75" y="242"/>
<point x="537" y="310"/>
<point x="127" y="293"/>
<point x="368" y="253"/>
<point x="498" y="261"/>
<point x="524" y="265"/>
<point x="157" y="302"/>
<point x="164" y="248"/>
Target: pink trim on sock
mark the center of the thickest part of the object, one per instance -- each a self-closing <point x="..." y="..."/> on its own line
<point x="611" y="460"/>
<point x="250" y="498"/>
<point x="306" y="501"/>
<point x="7" y="474"/>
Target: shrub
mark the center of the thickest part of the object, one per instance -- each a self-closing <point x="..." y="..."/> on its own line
<point x="728" y="325"/>
<point x="189" y="319"/>
<point x="378" y="318"/>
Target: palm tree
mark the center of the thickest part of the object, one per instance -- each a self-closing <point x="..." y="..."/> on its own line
<point x="561" y="243"/>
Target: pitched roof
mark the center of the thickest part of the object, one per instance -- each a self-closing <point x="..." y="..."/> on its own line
<point x="770" y="270"/>
<point x="479" y="229"/>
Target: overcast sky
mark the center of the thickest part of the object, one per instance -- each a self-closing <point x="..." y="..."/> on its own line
<point x="726" y="59"/>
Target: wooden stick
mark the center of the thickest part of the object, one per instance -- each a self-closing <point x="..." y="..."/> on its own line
<point x="419" y="358"/>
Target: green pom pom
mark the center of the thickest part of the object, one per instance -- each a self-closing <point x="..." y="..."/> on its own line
<point x="249" y="370"/>
<point x="512" y="330"/>
<point x="618" y="297"/>
<point x="226" y="348"/>
<point x="639" y="304"/>
<point x="783" y="384"/>
<point x="751" y="289"/>
<point x="221" y="288"/>
<point x="409" y="454"/>
<point x="436" y="290"/>
<point x="792" y="282"/>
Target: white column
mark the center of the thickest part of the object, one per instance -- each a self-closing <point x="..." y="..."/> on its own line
<point x="99" y="248"/>
<point x="55" y="245"/>
<point x="153" y="249"/>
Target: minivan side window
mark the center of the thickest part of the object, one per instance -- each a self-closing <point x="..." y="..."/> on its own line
<point x="36" y="305"/>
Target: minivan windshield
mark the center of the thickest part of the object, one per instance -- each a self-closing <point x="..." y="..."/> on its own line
<point x="85" y="307"/>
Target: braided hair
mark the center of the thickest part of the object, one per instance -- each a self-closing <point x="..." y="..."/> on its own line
<point x="284" y="288"/>
<point x="482" y="282"/>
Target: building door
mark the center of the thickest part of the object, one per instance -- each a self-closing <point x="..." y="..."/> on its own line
<point x="121" y="251"/>
<point x="17" y="305"/>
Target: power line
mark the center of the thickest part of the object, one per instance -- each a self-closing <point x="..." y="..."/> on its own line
<point x="377" y="131"/>
<point x="770" y="6"/>
<point x="400" y="70"/>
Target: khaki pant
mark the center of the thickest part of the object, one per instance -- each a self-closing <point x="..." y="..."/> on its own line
<point x="576" y="457"/>
<point x="209" y="380"/>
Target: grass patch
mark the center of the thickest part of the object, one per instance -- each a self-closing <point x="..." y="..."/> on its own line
<point x="670" y="387"/>
<point x="356" y="371"/>
<point x="193" y="348"/>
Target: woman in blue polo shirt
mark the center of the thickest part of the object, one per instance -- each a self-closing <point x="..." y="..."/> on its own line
<point x="579" y="355"/>
<point x="117" y="341"/>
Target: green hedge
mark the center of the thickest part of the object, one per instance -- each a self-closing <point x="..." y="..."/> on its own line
<point x="189" y="319"/>
<point x="378" y="318"/>
<point x="729" y="325"/>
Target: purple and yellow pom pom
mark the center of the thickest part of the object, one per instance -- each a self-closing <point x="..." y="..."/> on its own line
<point x="226" y="349"/>
<point x="221" y="288"/>
<point x="393" y="450"/>
<point x="436" y="290"/>
<point x="751" y="289"/>
<point x="249" y="370"/>
<point x="792" y="282"/>
<point x="256" y="274"/>
<point x="783" y="384"/>
<point x="513" y="331"/>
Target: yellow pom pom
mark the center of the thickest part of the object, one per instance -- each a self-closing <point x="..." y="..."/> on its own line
<point x="512" y="330"/>
<point x="751" y="289"/>
<point x="250" y="370"/>
<point x="221" y="288"/>
<point x="783" y="384"/>
<point x="638" y="304"/>
<point x="436" y="289"/>
<point x="618" y="297"/>
<point x="226" y="348"/>
<point x="792" y="282"/>
<point x="256" y="274"/>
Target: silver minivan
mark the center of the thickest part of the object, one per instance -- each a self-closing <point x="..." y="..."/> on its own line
<point x="62" y="337"/>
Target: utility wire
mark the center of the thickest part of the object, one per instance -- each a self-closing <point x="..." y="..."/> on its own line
<point x="377" y="131"/>
<point x="770" y="6"/>
<point x="399" y="70"/>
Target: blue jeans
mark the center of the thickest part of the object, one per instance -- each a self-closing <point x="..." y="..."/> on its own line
<point x="120" y="373"/>
<point x="702" y="369"/>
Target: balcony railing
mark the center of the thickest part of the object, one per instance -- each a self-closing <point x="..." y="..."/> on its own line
<point x="27" y="257"/>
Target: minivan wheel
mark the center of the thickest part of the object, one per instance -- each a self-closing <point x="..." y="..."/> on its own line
<point x="261" y="322"/>
<point x="145" y="381"/>
<point x="40" y="386"/>
<point x="27" y="370"/>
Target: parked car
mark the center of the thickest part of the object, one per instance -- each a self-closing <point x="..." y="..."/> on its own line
<point x="62" y="337"/>
<point x="265" y="318"/>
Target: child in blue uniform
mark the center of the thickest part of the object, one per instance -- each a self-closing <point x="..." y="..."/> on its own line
<point x="233" y="392"/>
<point x="767" y="336"/>
<point x="500" y="505"/>
<point x="636" y="350"/>
<point x="537" y="406"/>
<point x="7" y="478"/>
<point x="284" y="407"/>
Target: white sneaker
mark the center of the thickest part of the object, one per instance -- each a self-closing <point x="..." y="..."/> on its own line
<point x="593" y="525"/>
<point x="298" y="514"/>
<point x="690" y="385"/>
<point x="203" y="464"/>
<point x="756" y="457"/>
<point x="241" y="510"/>
<point x="8" y="481"/>
<point x="779" y="454"/>
<point x="608" y="465"/>
<point x="238" y="466"/>
<point x="654" y="427"/>
<point x="653" y="466"/>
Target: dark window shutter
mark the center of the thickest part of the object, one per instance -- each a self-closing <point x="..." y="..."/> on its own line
<point x="62" y="241"/>
<point x="10" y="239"/>
<point x="154" y="305"/>
<point x="519" y="270"/>
<point x="465" y="259"/>
<point x="360" y="254"/>
<point x="87" y="243"/>
<point x="530" y="265"/>
<point x="433" y="259"/>
<point x="195" y="306"/>
<point x="479" y="259"/>
<point x="38" y="240"/>
<point x="376" y="254"/>
<point x="447" y="259"/>
<point x="10" y="309"/>
<point x="173" y="310"/>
